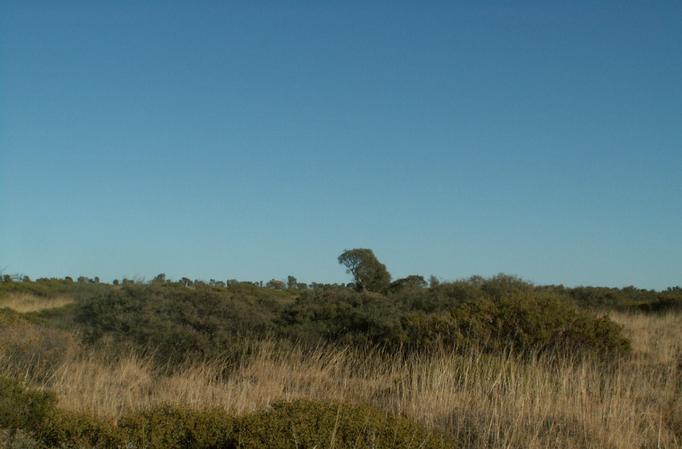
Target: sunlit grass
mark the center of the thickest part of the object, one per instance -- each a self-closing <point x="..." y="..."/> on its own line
<point x="482" y="400"/>
<point x="26" y="303"/>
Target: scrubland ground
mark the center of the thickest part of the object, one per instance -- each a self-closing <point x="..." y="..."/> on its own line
<point x="482" y="400"/>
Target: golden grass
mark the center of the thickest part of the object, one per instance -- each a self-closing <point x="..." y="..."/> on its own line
<point x="484" y="401"/>
<point x="25" y="303"/>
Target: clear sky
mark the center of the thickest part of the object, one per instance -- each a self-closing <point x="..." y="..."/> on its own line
<point x="228" y="140"/>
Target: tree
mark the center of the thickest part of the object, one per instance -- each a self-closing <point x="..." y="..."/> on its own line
<point x="291" y="283"/>
<point x="369" y="273"/>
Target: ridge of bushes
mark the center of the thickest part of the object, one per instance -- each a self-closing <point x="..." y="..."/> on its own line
<point x="176" y="322"/>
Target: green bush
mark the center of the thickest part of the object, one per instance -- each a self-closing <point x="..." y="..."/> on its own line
<point x="497" y="314"/>
<point x="286" y="425"/>
<point x="525" y="323"/>
<point x="310" y="425"/>
<point x="343" y="316"/>
<point x="174" y="322"/>
<point x="22" y="408"/>
<point x="174" y="428"/>
<point x="64" y="429"/>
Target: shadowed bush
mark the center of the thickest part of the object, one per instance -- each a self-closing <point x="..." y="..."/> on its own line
<point x="22" y="408"/>
<point x="175" y="322"/>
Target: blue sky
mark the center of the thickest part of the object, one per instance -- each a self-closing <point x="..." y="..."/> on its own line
<point x="229" y="140"/>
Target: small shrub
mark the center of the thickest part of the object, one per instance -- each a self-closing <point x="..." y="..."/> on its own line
<point x="287" y="425"/>
<point x="64" y="429"/>
<point x="21" y="408"/>
<point x="309" y="425"/>
<point x="168" y="427"/>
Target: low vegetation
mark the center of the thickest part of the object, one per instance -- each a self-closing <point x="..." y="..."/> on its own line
<point x="475" y="363"/>
<point x="297" y="424"/>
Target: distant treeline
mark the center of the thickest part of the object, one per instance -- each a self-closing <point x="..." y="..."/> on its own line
<point x="602" y="298"/>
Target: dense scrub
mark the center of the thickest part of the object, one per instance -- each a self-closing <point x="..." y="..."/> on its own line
<point x="286" y="425"/>
<point x="176" y="322"/>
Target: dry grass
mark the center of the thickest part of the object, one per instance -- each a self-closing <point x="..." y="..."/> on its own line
<point x="25" y="303"/>
<point x="484" y="401"/>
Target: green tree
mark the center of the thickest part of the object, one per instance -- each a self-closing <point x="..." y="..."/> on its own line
<point x="369" y="273"/>
<point x="291" y="283"/>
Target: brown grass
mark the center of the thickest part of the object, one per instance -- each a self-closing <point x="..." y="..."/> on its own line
<point x="484" y="401"/>
<point x="25" y="303"/>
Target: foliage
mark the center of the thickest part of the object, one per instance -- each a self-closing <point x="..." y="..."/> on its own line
<point x="624" y="299"/>
<point x="368" y="272"/>
<point x="524" y="324"/>
<point x="287" y="425"/>
<point x="499" y="313"/>
<point x="174" y="321"/>
<point x="65" y="429"/>
<point x="22" y="408"/>
<point x="312" y="424"/>
<point x="410" y="282"/>
<point x="168" y="427"/>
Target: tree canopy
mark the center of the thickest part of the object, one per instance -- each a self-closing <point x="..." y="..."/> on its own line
<point x="368" y="272"/>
